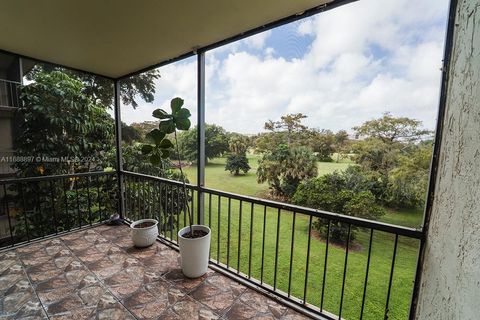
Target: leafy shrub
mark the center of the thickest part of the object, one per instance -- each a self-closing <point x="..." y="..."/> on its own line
<point x="284" y="168"/>
<point x="236" y="163"/>
<point x="346" y="193"/>
<point x="407" y="183"/>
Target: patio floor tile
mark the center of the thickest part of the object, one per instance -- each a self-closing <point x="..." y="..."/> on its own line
<point x="98" y="274"/>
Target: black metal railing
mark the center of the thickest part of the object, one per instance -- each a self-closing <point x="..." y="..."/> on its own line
<point x="306" y="257"/>
<point x="39" y="207"/>
<point x="9" y="93"/>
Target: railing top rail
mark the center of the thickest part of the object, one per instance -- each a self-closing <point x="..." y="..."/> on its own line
<point x="146" y="176"/>
<point x="10" y="81"/>
<point x="356" y="221"/>
<point x="55" y="177"/>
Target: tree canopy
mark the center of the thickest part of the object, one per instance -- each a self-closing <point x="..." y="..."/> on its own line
<point x="58" y="120"/>
<point x="216" y="142"/>
<point x="237" y="159"/>
<point x="391" y="129"/>
<point x="100" y="90"/>
<point x="289" y="123"/>
<point x="284" y="168"/>
<point x="345" y="192"/>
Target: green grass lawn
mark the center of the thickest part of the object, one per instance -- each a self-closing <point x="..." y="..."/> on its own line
<point x="241" y="217"/>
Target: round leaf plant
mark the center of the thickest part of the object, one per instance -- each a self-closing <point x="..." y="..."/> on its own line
<point x="161" y="146"/>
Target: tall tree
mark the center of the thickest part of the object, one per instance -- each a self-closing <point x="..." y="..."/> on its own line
<point x="408" y="182"/>
<point x="345" y="192"/>
<point x="216" y="142"/>
<point x="392" y="129"/>
<point x="284" y="168"/>
<point x="376" y="155"/>
<point x="289" y="123"/>
<point x="322" y="142"/>
<point x="100" y="90"/>
<point x="59" y="121"/>
<point x="237" y="143"/>
<point x="130" y="133"/>
<point x="237" y="159"/>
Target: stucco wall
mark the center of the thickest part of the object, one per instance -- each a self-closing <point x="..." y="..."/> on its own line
<point x="450" y="286"/>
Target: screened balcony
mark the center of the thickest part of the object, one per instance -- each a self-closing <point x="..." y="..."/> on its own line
<point x="60" y="259"/>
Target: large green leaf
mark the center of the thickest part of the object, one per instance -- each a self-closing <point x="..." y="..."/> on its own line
<point x="165" y="153"/>
<point x="183" y="123"/>
<point x="156" y="136"/>
<point x="147" y="149"/>
<point x="167" y="126"/>
<point x="165" y="144"/>
<point x="155" y="159"/>
<point x="161" y="114"/>
<point x="182" y="113"/>
<point x="176" y="104"/>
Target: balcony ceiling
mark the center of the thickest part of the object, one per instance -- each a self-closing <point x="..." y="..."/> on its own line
<point x="117" y="37"/>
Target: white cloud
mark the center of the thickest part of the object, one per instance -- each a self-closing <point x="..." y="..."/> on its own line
<point x="365" y="58"/>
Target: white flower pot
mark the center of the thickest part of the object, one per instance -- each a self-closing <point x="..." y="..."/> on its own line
<point x="144" y="237"/>
<point x="194" y="252"/>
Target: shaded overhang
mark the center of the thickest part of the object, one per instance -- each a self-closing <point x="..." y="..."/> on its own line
<point x="115" y="38"/>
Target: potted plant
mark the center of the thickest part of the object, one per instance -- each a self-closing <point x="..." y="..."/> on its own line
<point x="193" y="240"/>
<point x="144" y="232"/>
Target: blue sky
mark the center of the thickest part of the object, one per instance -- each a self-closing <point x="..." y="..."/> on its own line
<point x="340" y="68"/>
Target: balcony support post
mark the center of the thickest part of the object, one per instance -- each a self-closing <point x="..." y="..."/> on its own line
<point x="201" y="136"/>
<point x="118" y="149"/>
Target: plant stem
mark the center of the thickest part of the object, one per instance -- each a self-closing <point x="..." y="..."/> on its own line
<point x="190" y="218"/>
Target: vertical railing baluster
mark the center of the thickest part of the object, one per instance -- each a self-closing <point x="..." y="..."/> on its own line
<point x="145" y="203"/>
<point x="54" y="213"/>
<point x="210" y="220"/>
<point x="162" y="207"/>
<point x="239" y="236"/>
<point x="25" y="212"/>
<point x="263" y="243"/>
<point x="218" y="228"/>
<point x="10" y="86"/>
<point x="79" y="215"/>
<point x="159" y="205"/>
<point x="366" y="273"/>
<point x="144" y="184"/>
<point x="133" y="199"/>
<point x="150" y="203"/>
<point x="390" y="281"/>
<point x="344" y="271"/>
<point x="138" y="210"/>
<point x="165" y="209"/>
<point x="210" y="210"/>
<point x="325" y="264"/>
<point x="101" y="215"/>
<point x="7" y="211"/>
<point x="89" y="201"/>
<point x="171" y="213"/>
<point x="127" y="196"/>
<point x="307" y="263"/>
<point x="131" y="188"/>
<point x="276" y="250"/>
<point x="292" y="244"/>
<point x="39" y="206"/>
<point x="65" y="202"/>
<point x="184" y="203"/>
<point x="137" y="198"/>
<point x="250" y="243"/>
<point x="192" y="204"/>
<point x="177" y="212"/>
<point x="228" y="232"/>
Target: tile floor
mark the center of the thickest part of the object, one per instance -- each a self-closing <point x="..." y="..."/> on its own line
<point x="98" y="274"/>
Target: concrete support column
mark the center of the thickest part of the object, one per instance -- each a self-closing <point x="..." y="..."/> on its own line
<point x="450" y="278"/>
